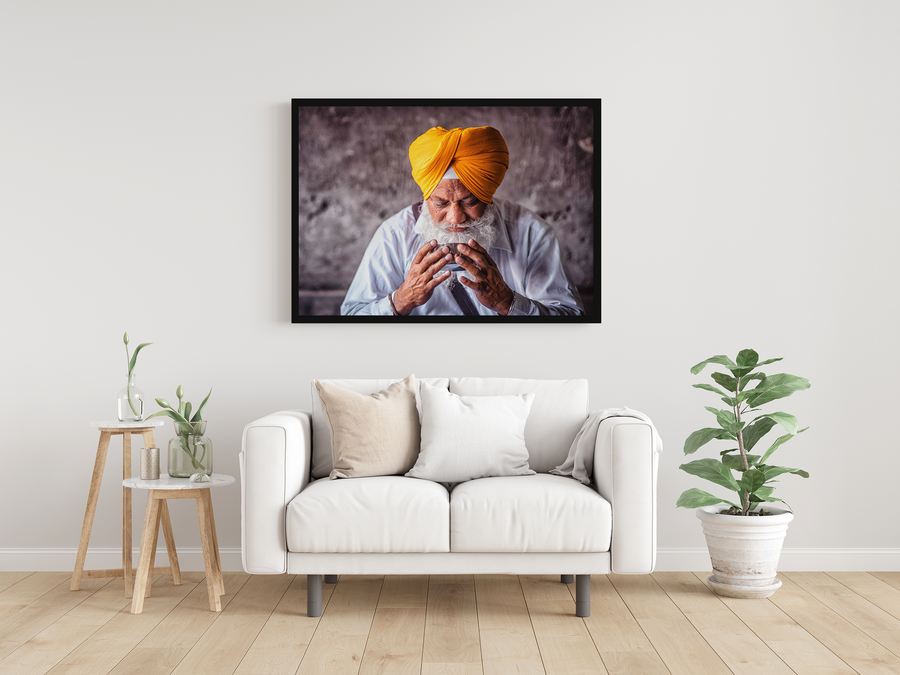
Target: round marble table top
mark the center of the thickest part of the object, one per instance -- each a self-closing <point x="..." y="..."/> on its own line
<point x="116" y="424"/>
<point x="167" y="482"/>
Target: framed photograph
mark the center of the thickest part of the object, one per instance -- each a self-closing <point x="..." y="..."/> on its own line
<point x="481" y="211"/>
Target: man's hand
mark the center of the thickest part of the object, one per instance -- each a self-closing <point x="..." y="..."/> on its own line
<point x="488" y="284"/>
<point x="420" y="280"/>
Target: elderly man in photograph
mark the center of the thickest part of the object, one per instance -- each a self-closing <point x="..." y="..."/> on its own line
<point x="460" y="251"/>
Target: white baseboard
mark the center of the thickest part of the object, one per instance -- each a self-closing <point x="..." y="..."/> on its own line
<point x="63" y="559"/>
<point x="667" y="559"/>
<point x="791" y="560"/>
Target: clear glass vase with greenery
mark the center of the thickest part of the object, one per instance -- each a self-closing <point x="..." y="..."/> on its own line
<point x="190" y="451"/>
<point x="130" y="407"/>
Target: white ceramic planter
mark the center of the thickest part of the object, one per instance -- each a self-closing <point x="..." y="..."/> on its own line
<point x="744" y="550"/>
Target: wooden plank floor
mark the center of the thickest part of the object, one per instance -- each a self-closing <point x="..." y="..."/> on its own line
<point x="664" y="624"/>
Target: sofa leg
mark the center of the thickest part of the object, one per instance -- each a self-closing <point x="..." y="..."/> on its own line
<point x="582" y="595"/>
<point x="331" y="578"/>
<point x="567" y="578"/>
<point x="313" y="595"/>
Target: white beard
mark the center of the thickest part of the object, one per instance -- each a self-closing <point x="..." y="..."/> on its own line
<point x="484" y="230"/>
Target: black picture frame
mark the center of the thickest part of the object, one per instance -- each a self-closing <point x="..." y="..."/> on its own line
<point x="350" y="171"/>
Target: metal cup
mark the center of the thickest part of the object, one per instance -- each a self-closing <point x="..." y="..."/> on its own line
<point x="149" y="463"/>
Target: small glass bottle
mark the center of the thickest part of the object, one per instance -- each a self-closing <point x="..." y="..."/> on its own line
<point x="132" y="411"/>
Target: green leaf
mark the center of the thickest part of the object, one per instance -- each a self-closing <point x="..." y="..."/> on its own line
<point x="747" y="358"/>
<point x="781" y="440"/>
<point x="765" y="363"/>
<point x="725" y="380"/>
<point x="755" y="431"/>
<point x="691" y="499"/>
<point x="773" y="471"/>
<point x="726" y="419"/>
<point x="187" y="411"/>
<point x="774" y="387"/>
<point x="196" y="417"/>
<point x="746" y="362"/>
<point x="709" y="387"/>
<point x="135" y="355"/>
<point x="765" y="499"/>
<point x="788" y="422"/>
<point x="752" y="480"/>
<point x="735" y="462"/>
<point x="720" y="359"/>
<point x="749" y="378"/>
<point x="172" y="414"/>
<point x="700" y="438"/>
<point x="712" y="470"/>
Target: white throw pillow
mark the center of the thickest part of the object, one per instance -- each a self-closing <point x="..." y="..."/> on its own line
<point x="374" y="435"/>
<point x="467" y="437"/>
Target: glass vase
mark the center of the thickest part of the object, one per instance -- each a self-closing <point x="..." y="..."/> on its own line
<point x="130" y="401"/>
<point x="190" y="451"/>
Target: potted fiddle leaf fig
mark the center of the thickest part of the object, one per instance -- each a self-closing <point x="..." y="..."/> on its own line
<point x="744" y="540"/>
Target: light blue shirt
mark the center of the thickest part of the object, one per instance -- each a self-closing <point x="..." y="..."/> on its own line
<point x="526" y="252"/>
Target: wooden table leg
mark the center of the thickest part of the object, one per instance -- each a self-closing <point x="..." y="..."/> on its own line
<point x="127" y="540"/>
<point x="170" y="543"/>
<point x="161" y="503"/>
<point x="209" y="556"/>
<point x="215" y="540"/>
<point x="148" y="544"/>
<point x="90" y="509"/>
<point x="150" y="442"/>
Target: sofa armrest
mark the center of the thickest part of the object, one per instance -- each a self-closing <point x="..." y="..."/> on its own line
<point x="275" y="461"/>
<point x="624" y="473"/>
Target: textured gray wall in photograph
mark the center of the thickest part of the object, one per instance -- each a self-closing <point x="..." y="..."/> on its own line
<point x="354" y="173"/>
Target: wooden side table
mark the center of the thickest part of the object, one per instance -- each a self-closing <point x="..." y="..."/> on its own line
<point x="159" y="491"/>
<point x="107" y="431"/>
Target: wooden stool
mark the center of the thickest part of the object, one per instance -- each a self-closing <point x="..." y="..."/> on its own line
<point x="107" y="431"/>
<point x="167" y="487"/>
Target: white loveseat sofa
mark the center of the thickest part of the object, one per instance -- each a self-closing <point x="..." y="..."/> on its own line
<point x="297" y="520"/>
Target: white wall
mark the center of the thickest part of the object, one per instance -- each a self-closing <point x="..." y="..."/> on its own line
<point x="750" y="174"/>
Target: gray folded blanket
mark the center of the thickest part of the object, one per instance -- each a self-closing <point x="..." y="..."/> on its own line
<point x="580" y="462"/>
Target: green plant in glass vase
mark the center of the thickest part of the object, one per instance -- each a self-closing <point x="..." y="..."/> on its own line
<point x="190" y="451"/>
<point x="131" y="399"/>
<point x="753" y="483"/>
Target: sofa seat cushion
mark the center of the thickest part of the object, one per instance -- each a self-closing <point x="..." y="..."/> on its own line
<point x="378" y="514"/>
<point x="540" y="513"/>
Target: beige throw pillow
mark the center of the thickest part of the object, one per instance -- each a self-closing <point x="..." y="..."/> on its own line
<point x="372" y="435"/>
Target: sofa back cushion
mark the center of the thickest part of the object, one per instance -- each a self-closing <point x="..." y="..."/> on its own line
<point x="322" y="462"/>
<point x="559" y="409"/>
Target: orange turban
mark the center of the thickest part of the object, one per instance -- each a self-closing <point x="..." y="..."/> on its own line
<point x="479" y="156"/>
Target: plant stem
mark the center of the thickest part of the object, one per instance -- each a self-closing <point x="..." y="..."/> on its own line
<point x="745" y="496"/>
<point x="128" y="382"/>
